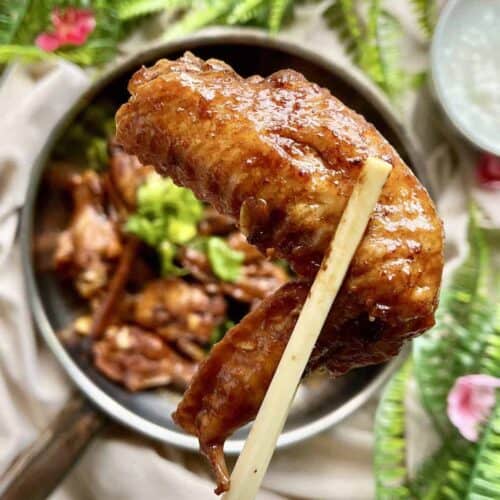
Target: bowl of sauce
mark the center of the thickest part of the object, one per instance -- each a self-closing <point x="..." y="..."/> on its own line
<point x="465" y="68"/>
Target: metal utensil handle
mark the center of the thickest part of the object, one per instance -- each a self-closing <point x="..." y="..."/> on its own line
<point x="39" y="469"/>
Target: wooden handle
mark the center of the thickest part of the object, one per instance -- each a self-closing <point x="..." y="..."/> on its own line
<point x="39" y="469"/>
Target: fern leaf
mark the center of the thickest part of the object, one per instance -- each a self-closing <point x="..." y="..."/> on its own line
<point x="430" y="477"/>
<point x="198" y="17"/>
<point x="390" y="449"/>
<point x="244" y="11"/>
<point x="343" y="18"/>
<point x="485" y="475"/>
<point x="464" y="324"/>
<point x="416" y="80"/>
<point x="426" y="12"/>
<point x="36" y="19"/>
<point x="374" y="46"/>
<point x="353" y="22"/>
<point x="380" y="54"/>
<point x="433" y="359"/>
<point x="277" y="13"/>
<point x="11" y="16"/>
<point x="24" y="53"/>
<point x="490" y="362"/>
<point x="466" y="339"/>
<point x="446" y="474"/>
<point x="389" y="35"/>
<point x="369" y="57"/>
<point x="485" y="478"/>
<point x="129" y="9"/>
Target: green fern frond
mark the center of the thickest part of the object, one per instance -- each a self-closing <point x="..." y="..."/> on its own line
<point x="485" y="473"/>
<point x="445" y="474"/>
<point x="343" y="18"/>
<point x="432" y="354"/>
<point x="472" y="278"/>
<point x="244" y="11"/>
<point x="490" y="362"/>
<point x="416" y="80"/>
<point x="374" y="45"/>
<point x="353" y="23"/>
<point x="389" y="34"/>
<point x="368" y="51"/>
<point x="485" y="476"/>
<point x="426" y="12"/>
<point x="457" y="345"/>
<point x="430" y="477"/>
<point x="466" y="339"/>
<point x="11" y="16"/>
<point x="129" y="9"/>
<point x="277" y="11"/>
<point x="380" y="54"/>
<point x="198" y="17"/>
<point x="36" y="19"/>
<point x="390" y="449"/>
<point x="23" y="53"/>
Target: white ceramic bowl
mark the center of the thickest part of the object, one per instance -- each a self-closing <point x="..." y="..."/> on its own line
<point x="465" y="69"/>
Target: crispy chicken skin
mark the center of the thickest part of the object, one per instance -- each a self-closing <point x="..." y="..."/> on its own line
<point x="281" y="155"/>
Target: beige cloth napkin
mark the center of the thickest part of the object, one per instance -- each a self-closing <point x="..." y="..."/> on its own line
<point x="120" y="465"/>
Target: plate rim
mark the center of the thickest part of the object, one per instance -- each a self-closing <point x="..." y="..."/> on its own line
<point x="94" y="393"/>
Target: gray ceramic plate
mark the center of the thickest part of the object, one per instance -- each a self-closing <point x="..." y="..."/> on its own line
<point x="321" y="402"/>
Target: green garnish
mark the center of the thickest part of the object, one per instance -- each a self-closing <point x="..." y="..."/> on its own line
<point x="166" y="217"/>
<point x="225" y="262"/>
<point x="167" y="252"/>
<point x="86" y="140"/>
<point x="97" y="153"/>
<point x="219" y="331"/>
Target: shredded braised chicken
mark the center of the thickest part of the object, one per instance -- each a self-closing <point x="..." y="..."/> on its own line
<point x="140" y="360"/>
<point x="176" y="309"/>
<point x="214" y="223"/>
<point x="281" y="155"/>
<point x="146" y="331"/>
<point x="258" y="277"/>
<point x="87" y="249"/>
<point x="126" y="174"/>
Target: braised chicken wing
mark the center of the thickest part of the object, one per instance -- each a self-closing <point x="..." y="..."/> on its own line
<point x="281" y="156"/>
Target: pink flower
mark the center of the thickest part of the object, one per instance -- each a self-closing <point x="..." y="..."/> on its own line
<point x="488" y="171"/>
<point x="470" y="402"/>
<point x="72" y="26"/>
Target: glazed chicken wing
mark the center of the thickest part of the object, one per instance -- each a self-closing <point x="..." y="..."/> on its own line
<point x="281" y="155"/>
